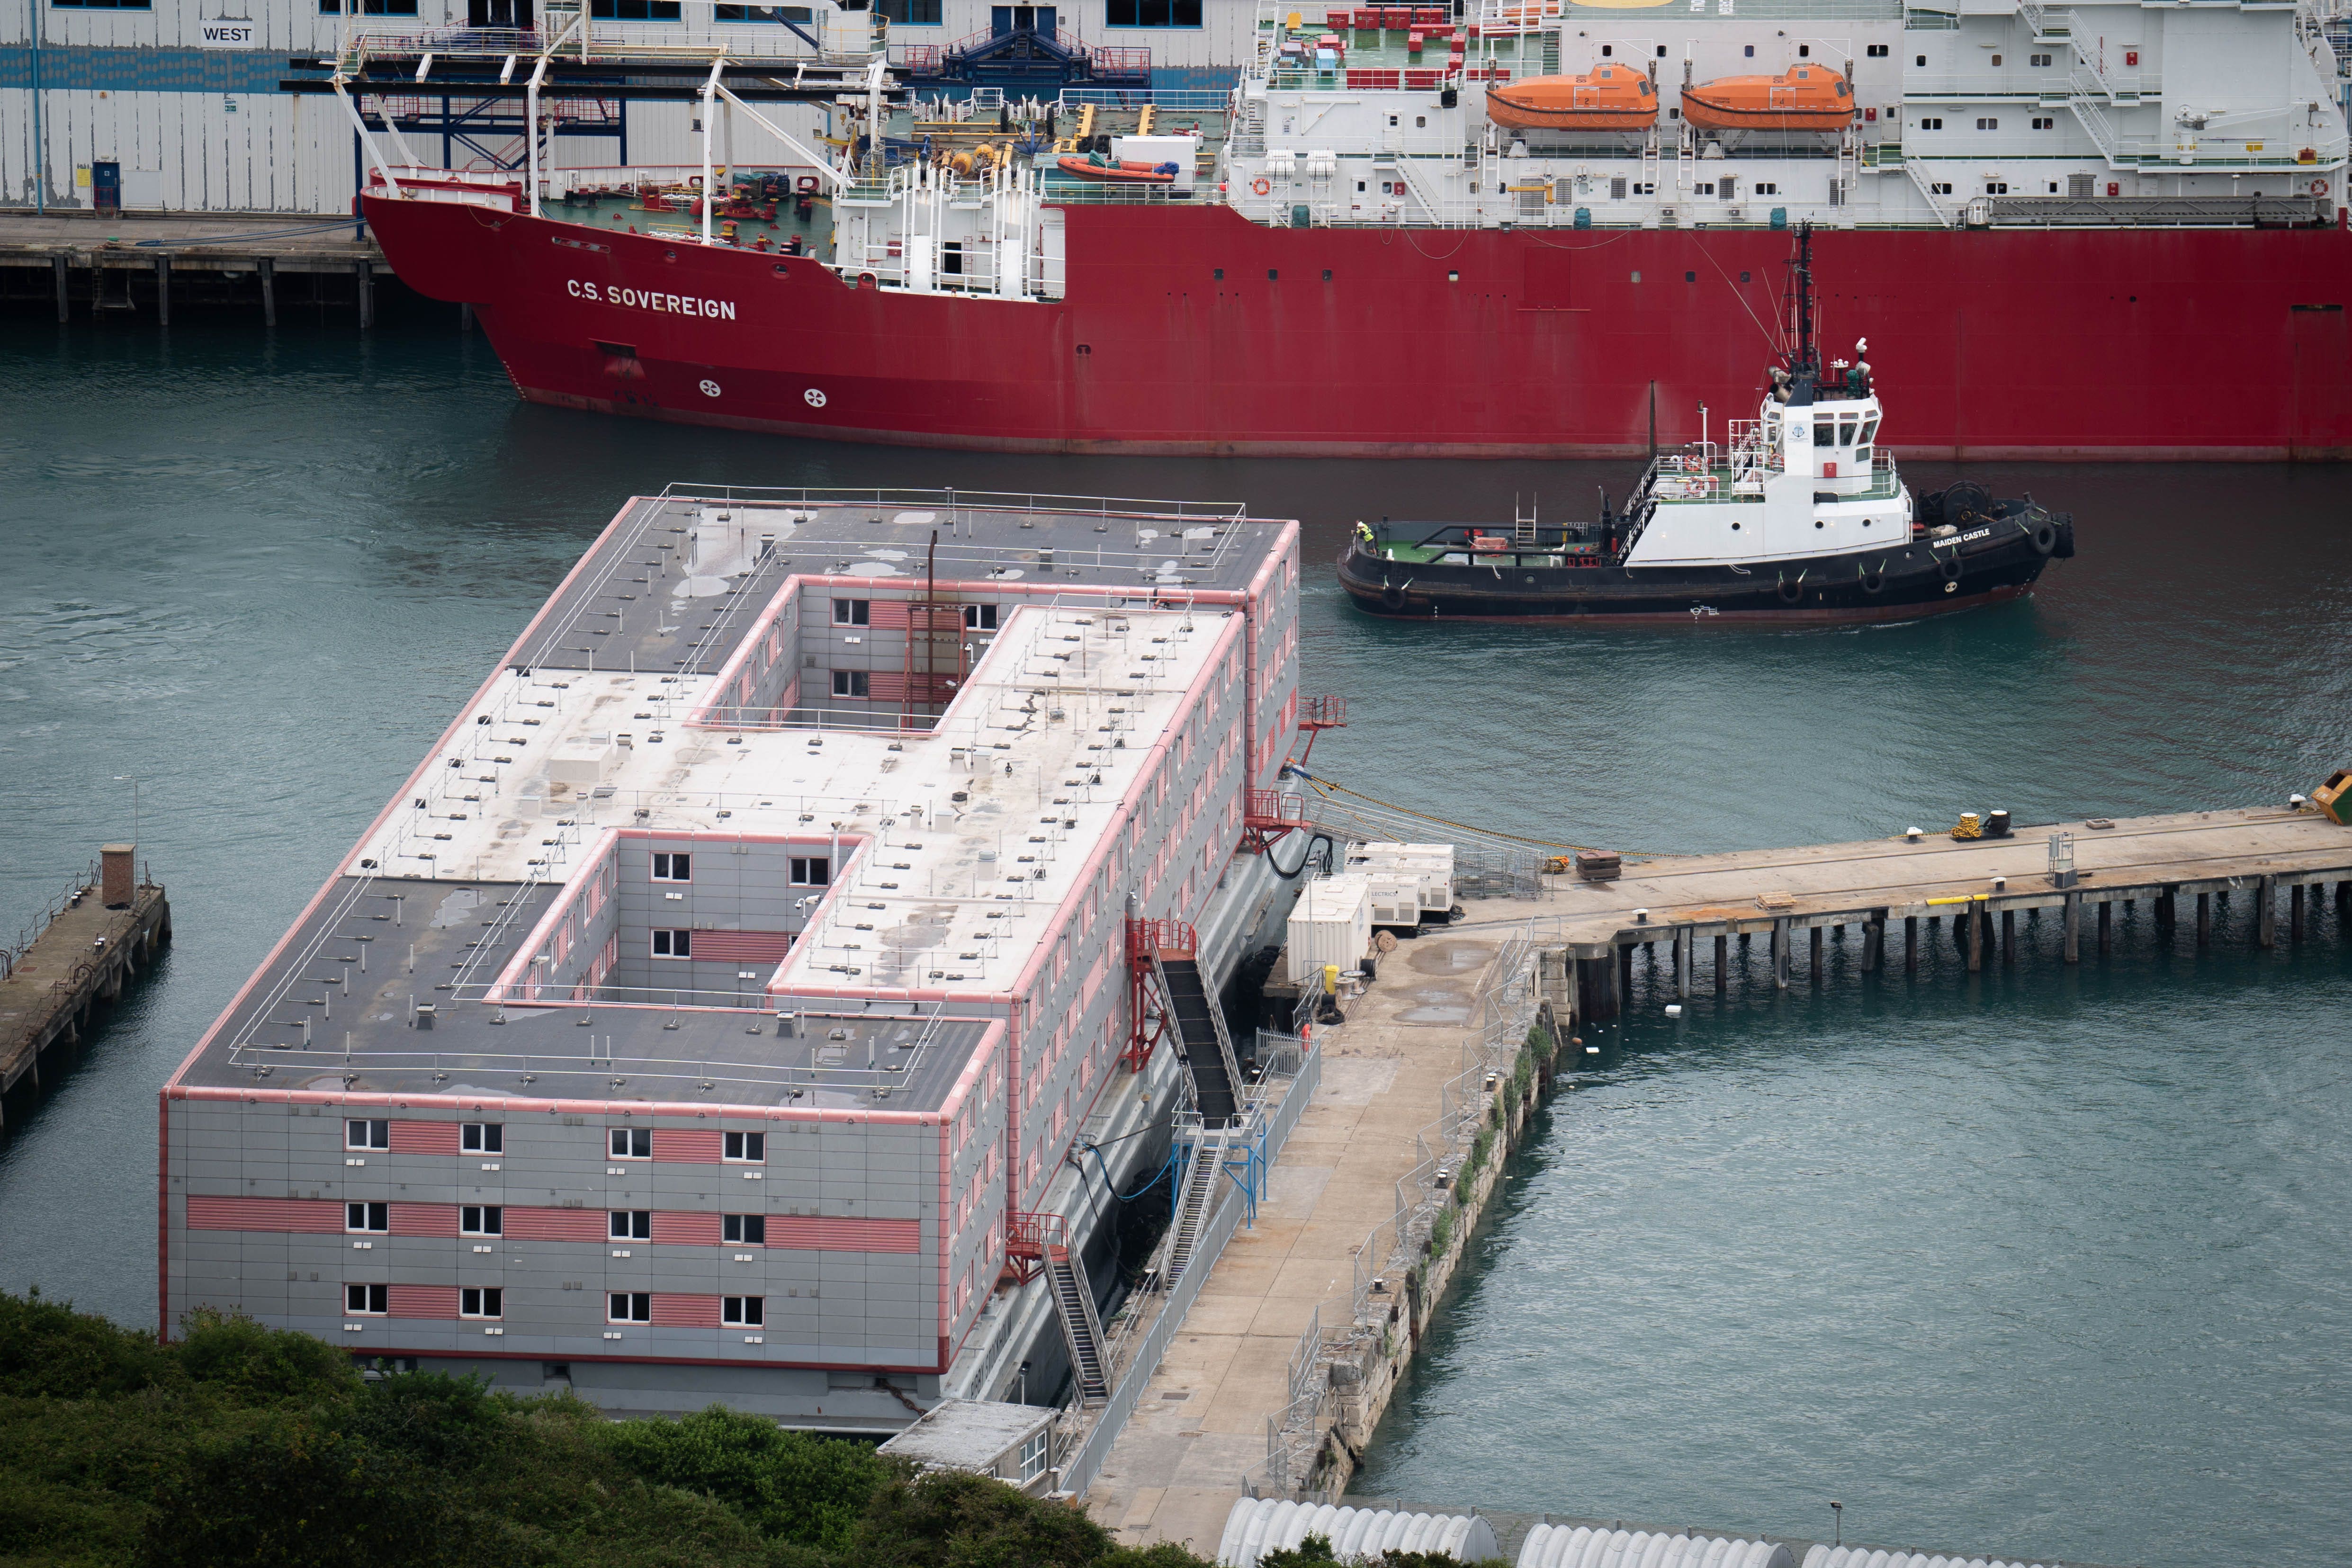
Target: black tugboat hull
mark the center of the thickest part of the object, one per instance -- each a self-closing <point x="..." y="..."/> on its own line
<point x="1907" y="584"/>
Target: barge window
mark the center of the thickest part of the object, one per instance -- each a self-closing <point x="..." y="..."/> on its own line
<point x="482" y="1301"/>
<point x="811" y="870"/>
<point x="372" y="1298"/>
<point x="980" y="617"/>
<point x="673" y="943"/>
<point x="367" y="1216"/>
<point x="630" y="1307"/>
<point x="631" y="1224"/>
<point x="853" y="612"/>
<point x="1154" y="13"/>
<point x="851" y="683"/>
<point x="112" y="4"/>
<point x="750" y="1230"/>
<point x="326" y="7"/>
<point x="487" y="1219"/>
<point x="632" y="1143"/>
<point x="482" y="1137"/>
<point x="750" y="1147"/>
<point x="798" y="14"/>
<point x="374" y="1135"/>
<point x="746" y="1312"/>
<point x="673" y="867"/>
<point x="627" y="10"/>
<point x="912" y="13"/>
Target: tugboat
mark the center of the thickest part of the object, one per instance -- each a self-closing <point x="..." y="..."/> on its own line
<point x="1795" y="517"/>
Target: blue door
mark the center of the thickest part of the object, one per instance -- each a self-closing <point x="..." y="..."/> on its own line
<point x="106" y="187"/>
<point x="1003" y="19"/>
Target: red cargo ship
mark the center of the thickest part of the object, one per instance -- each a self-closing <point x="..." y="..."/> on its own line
<point x="2150" y="343"/>
<point x="1419" y="284"/>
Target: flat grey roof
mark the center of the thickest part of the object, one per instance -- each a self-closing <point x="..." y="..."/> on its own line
<point x="360" y="1035"/>
<point x="612" y="614"/>
<point x="968" y="1434"/>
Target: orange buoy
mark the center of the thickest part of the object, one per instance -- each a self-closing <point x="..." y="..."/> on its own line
<point x="1613" y="98"/>
<point x="1803" y="98"/>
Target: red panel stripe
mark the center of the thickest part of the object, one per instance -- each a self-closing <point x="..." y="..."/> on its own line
<point x="424" y="1300"/>
<point x="887" y="612"/>
<point x="686" y="1312"/>
<point x="309" y="1216"/>
<point x="742" y="948"/>
<point x="693" y="1146"/>
<point x="425" y="1138"/>
<point x="680" y="1229"/>
<point x="425" y="1218"/>
<point x="845" y="1235"/>
<point x="557" y="1224"/>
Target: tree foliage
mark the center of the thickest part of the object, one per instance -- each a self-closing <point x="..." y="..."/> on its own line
<point x="237" y="1445"/>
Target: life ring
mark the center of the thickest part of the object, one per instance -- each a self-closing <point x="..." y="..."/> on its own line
<point x="1261" y="185"/>
<point x="2045" y="536"/>
<point x="1873" y="579"/>
<point x="1950" y="567"/>
<point x="2319" y="187"/>
<point x="1790" y="592"/>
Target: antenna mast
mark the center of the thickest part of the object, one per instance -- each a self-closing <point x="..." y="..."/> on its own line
<point x="1805" y="356"/>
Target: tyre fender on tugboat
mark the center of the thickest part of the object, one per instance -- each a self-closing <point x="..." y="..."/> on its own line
<point x="1874" y="577"/>
<point x="1950" y="567"/>
<point x="1790" y="590"/>
<point x="2044" y="534"/>
<point x="1390" y="595"/>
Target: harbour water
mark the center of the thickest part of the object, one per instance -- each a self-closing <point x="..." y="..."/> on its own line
<point x="2046" y="1263"/>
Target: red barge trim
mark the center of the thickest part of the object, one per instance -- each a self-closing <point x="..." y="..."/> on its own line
<point x="2052" y="344"/>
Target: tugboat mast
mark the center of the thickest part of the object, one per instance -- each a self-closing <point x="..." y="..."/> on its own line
<point x="1798" y="308"/>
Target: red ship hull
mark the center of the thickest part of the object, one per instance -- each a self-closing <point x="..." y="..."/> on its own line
<point x="2052" y="344"/>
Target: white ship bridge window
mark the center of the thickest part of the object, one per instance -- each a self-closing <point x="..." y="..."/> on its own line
<point x="107" y="5"/>
<point x="912" y="13"/>
<point x="799" y="15"/>
<point x="335" y="8"/>
<point x="1870" y="430"/>
<point x="633" y="10"/>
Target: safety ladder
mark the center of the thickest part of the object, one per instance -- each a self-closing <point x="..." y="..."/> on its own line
<point x="1074" y="1304"/>
<point x="1194" y="1204"/>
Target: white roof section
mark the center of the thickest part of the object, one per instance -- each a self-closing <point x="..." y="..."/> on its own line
<point x="968" y="1434"/>
<point x="1259" y="1525"/>
<point x="1582" y="1546"/>
<point x="976" y="831"/>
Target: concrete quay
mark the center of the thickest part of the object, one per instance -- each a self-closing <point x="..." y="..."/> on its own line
<point x="92" y="265"/>
<point x="90" y="944"/>
<point x="2281" y="859"/>
<point x="1286" y="1360"/>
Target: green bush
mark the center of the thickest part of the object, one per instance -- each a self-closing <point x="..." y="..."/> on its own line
<point x="1441" y="1233"/>
<point x="246" y="1447"/>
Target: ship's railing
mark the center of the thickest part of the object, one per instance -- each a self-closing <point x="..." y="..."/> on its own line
<point x="1175" y="100"/>
<point x="956" y="502"/>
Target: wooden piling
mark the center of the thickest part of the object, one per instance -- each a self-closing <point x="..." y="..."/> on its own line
<point x="2295" y="913"/>
<point x="58" y="268"/>
<point x="1684" y="943"/>
<point x="268" y="269"/>
<point x="1975" y="939"/>
<point x="1817" y="956"/>
<point x="163" y="291"/>
<point x="2266" y="912"/>
<point x="364" y="278"/>
<point x="1873" y="940"/>
<point x="2204" y="920"/>
<point x="1910" y="944"/>
<point x="1781" y="952"/>
<point x="2106" y="943"/>
<point x="2008" y="937"/>
<point x="2073" y="926"/>
<point x="1722" y="963"/>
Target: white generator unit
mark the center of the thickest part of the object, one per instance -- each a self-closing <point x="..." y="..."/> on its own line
<point x="1431" y="865"/>
<point x="1396" y="897"/>
<point x="1330" y="923"/>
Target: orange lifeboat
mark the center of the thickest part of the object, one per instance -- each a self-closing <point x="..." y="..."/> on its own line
<point x="1803" y="98"/>
<point x="1613" y="98"/>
